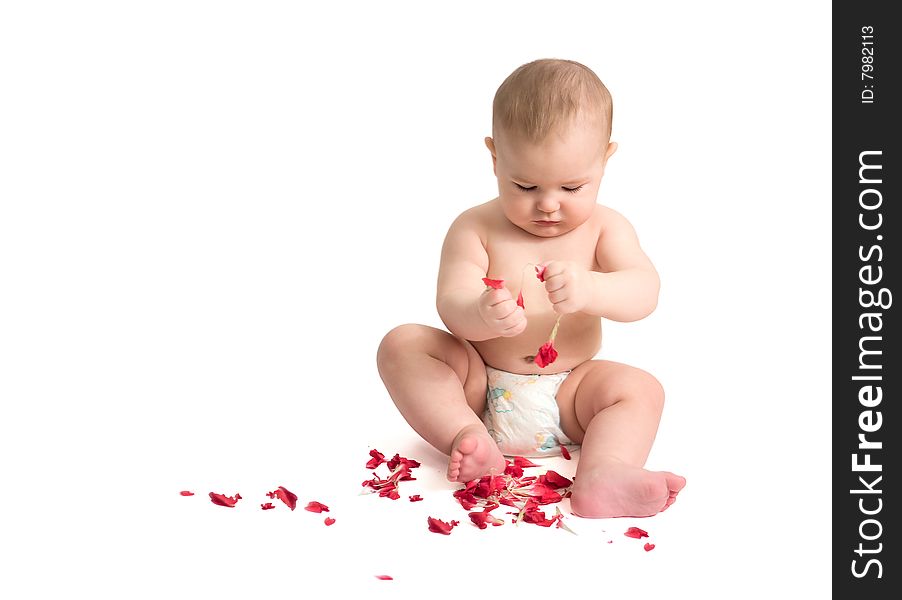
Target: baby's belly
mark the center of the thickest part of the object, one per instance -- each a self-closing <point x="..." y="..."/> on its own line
<point x="578" y="340"/>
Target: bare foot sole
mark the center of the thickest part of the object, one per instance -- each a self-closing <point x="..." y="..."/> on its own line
<point x="474" y="454"/>
<point x="619" y="490"/>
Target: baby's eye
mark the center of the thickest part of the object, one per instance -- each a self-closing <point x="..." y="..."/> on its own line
<point x="573" y="190"/>
<point x="524" y="189"/>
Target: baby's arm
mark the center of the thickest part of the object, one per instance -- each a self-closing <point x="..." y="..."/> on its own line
<point x="626" y="289"/>
<point x="464" y="304"/>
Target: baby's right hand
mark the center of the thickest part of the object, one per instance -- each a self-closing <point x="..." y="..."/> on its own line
<point x="500" y="312"/>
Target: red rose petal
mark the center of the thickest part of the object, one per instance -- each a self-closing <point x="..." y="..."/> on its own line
<point x="377" y="459"/>
<point x="482" y="519"/>
<point x="415" y="498"/>
<point x="384" y="577"/>
<point x="186" y="493"/>
<point x="439" y="526"/>
<point x="520" y="300"/>
<point x="329" y="521"/>
<point x="649" y="547"/>
<point x="546" y="355"/>
<point x="223" y="500"/>
<point x="317" y="507"/>
<point x="523" y="463"/>
<point x="635" y="532"/>
<point x="290" y="499"/>
<point x="540" y="273"/>
<point x="555" y="480"/>
<point x="267" y="506"/>
<point x="565" y="453"/>
<point x="493" y="283"/>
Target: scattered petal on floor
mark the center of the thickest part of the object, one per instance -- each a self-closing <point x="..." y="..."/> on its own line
<point x="649" y="547"/>
<point x="635" y="532"/>
<point x="268" y="506"/>
<point x="316" y="507"/>
<point x="186" y="493"/>
<point x="384" y="577"/>
<point x="223" y="500"/>
<point x="439" y="526"/>
<point x="290" y="499"/>
<point x="329" y="521"/>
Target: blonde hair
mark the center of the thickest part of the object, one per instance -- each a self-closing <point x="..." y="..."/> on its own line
<point x="540" y="96"/>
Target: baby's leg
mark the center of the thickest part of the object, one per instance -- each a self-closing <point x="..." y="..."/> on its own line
<point x="438" y="383"/>
<point x="615" y="409"/>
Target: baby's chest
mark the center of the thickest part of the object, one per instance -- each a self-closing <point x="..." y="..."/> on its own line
<point x="511" y="258"/>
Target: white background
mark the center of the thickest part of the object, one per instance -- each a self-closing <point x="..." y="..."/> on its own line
<point x="200" y="200"/>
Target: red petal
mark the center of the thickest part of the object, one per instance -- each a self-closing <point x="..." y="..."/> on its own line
<point x="384" y="577"/>
<point x="555" y="480"/>
<point x="186" y="493"/>
<point x="439" y="526"/>
<point x="481" y="519"/>
<point x="649" y="547"/>
<point x="415" y="498"/>
<point x="635" y="532"/>
<point x="223" y="500"/>
<point x="493" y="283"/>
<point x="520" y="300"/>
<point x="317" y="507"/>
<point x="546" y="355"/>
<point x="290" y="500"/>
<point x="540" y="273"/>
<point x="513" y="470"/>
<point x="565" y="453"/>
<point x="400" y="460"/>
<point x="267" y="506"/>
<point x="524" y="463"/>
<point x="329" y="521"/>
<point x="377" y="459"/>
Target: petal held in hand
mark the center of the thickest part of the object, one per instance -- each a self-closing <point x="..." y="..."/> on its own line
<point x="496" y="284"/>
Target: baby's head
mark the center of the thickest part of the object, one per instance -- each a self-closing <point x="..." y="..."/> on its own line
<point x="551" y="130"/>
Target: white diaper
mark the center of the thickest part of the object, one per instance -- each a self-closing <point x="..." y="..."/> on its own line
<point x="521" y="413"/>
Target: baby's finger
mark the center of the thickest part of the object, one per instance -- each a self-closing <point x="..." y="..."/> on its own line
<point x="514" y="324"/>
<point x="495" y="297"/>
<point x="503" y="309"/>
<point x="515" y="329"/>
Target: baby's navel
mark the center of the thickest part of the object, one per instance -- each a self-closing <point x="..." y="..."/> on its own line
<point x="530" y="359"/>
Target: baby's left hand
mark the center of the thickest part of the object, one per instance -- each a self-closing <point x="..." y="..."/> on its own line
<point x="569" y="286"/>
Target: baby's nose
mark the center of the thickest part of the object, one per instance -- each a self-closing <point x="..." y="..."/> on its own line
<point x="548" y="203"/>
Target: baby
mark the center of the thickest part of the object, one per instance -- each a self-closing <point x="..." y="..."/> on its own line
<point x="480" y="392"/>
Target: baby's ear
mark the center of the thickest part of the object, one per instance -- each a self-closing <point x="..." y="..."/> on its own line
<point x="612" y="148"/>
<point x="490" y="144"/>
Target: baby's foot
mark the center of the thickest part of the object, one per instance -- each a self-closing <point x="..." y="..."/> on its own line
<point x="615" y="489"/>
<point x="474" y="454"/>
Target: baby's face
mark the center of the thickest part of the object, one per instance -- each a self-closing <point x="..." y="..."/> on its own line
<point x="550" y="188"/>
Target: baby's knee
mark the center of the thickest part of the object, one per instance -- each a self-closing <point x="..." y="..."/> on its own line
<point x="650" y="389"/>
<point x="396" y="341"/>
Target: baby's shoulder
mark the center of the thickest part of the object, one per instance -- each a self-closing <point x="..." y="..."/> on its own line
<point x="609" y="219"/>
<point x="479" y="219"/>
